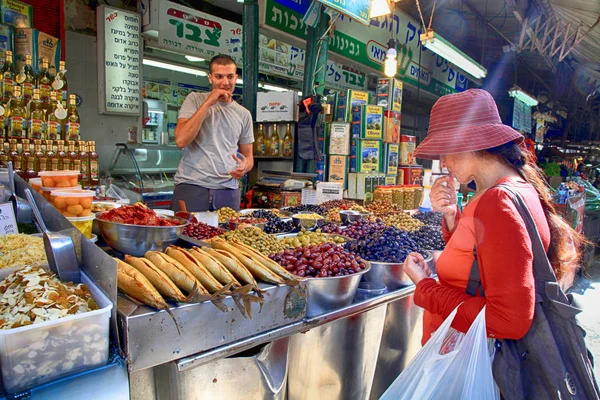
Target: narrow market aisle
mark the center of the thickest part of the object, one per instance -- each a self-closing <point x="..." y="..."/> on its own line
<point x="589" y="287"/>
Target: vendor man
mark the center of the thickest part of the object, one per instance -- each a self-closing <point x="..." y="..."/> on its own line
<point x="210" y="130"/>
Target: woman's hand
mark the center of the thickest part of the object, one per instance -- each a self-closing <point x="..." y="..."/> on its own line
<point x="443" y="199"/>
<point x="416" y="268"/>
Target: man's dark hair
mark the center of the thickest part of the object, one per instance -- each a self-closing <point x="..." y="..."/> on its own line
<point x="221" y="59"/>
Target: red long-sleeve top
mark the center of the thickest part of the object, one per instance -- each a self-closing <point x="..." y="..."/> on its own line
<point x="505" y="259"/>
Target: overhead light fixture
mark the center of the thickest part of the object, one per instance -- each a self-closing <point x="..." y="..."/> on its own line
<point x="195" y="59"/>
<point x="445" y="49"/>
<point x="523" y="96"/>
<point x="391" y="61"/>
<point x="273" y="88"/>
<point x="379" y="8"/>
<point x="173" y="67"/>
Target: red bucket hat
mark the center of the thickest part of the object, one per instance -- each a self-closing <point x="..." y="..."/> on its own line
<point x="464" y="122"/>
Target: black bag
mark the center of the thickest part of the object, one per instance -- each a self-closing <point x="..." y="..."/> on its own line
<point x="307" y="134"/>
<point x="551" y="361"/>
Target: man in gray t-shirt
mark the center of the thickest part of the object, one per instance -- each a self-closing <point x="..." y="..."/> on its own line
<point x="210" y="130"/>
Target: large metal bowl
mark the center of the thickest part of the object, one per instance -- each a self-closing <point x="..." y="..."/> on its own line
<point x="332" y="293"/>
<point x="391" y="275"/>
<point x="310" y="224"/>
<point x="138" y="239"/>
<point x="348" y="216"/>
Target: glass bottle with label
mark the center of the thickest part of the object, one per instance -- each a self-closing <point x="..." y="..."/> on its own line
<point x="17" y="116"/>
<point x="38" y="152"/>
<point x="77" y="167"/>
<point x="8" y="78"/>
<point x="64" y="161"/>
<point x="72" y="122"/>
<point x="54" y="165"/>
<point x="26" y="79"/>
<point x="18" y="168"/>
<point x="56" y="116"/>
<point x="26" y="151"/>
<point x="44" y="165"/>
<point x="36" y="129"/>
<point x="268" y="143"/>
<point x="93" y="165"/>
<point x="49" y="152"/>
<point x="274" y="142"/>
<point x="2" y="152"/>
<point x="84" y="158"/>
<point x="60" y="84"/>
<point x="260" y="142"/>
<point x="44" y="81"/>
<point x="73" y="156"/>
<point x="30" y="172"/>
<point x="13" y="151"/>
<point x="288" y="143"/>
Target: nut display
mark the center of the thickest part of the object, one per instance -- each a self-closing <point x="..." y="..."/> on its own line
<point x="20" y="249"/>
<point x="305" y="238"/>
<point x="306" y="208"/>
<point x="404" y="222"/>
<point x="429" y="238"/>
<point x="430" y="218"/>
<point x="278" y="225"/>
<point x="382" y="208"/>
<point x="201" y="231"/>
<point x="320" y="261"/>
<point x="391" y="245"/>
<point x="226" y="213"/>
<point x="255" y="238"/>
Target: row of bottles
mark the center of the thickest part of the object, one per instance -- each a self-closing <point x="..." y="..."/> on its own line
<point x="27" y="80"/>
<point x="38" y="119"/>
<point x="29" y="158"/>
<point x="272" y="144"/>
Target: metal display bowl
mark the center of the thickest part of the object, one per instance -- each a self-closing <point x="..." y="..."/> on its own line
<point x="138" y="239"/>
<point x="391" y="275"/>
<point x="333" y="292"/>
<point x="310" y="224"/>
<point x="348" y="216"/>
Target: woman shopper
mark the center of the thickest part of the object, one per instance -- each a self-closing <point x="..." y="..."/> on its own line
<point x="468" y="137"/>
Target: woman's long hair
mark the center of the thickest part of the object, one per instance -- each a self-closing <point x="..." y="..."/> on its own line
<point x="565" y="243"/>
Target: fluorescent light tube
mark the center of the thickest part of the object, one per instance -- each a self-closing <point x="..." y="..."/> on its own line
<point x="445" y="49"/>
<point x="273" y="88"/>
<point x="379" y="8"/>
<point x="173" y="67"/>
<point x="525" y="97"/>
<point x="194" y="59"/>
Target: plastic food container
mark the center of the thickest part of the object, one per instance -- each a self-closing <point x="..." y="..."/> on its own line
<point x="46" y="192"/>
<point x="36" y="184"/>
<point x="84" y="224"/>
<point x="73" y="203"/>
<point x="39" y="353"/>
<point x="59" y="179"/>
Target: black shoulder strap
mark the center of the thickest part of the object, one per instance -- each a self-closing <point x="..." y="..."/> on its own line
<point x="542" y="270"/>
<point x="475" y="277"/>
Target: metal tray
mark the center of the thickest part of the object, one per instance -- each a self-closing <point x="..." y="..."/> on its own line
<point x="195" y="242"/>
<point x="391" y="275"/>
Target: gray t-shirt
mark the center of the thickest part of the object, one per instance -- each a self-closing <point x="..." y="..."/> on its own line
<point x="203" y="160"/>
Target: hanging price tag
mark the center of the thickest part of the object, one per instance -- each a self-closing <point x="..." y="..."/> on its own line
<point x="8" y="222"/>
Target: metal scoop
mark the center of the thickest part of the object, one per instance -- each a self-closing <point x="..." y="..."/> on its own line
<point x="11" y="185"/>
<point x="60" y="250"/>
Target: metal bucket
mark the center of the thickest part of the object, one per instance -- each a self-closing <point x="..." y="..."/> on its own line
<point x="260" y="376"/>
<point x="391" y="275"/>
<point x="336" y="360"/>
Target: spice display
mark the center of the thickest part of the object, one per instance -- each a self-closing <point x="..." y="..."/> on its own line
<point x="308" y="216"/>
<point x="430" y="218"/>
<point x="33" y="295"/>
<point x="21" y="249"/>
<point x="404" y="222"/>
<point x="201" y="231"/>
<point x="226" y="213"/>
<point x="278" y="225"/>
<point x="256" y="238"/>
<point x="320" y="261"/>
<point x="429" y="238"/>
<point x="137" y="214"/>
<point x="382" y="208"/>
<point x="305" y="238"/>
<point x="391" y="245"/>
<point x="306" y="208"/>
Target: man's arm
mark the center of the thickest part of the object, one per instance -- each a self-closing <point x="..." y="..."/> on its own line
<point x="246" y="150"/>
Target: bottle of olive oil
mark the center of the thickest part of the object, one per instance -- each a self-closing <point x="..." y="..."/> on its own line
<point x="268" y="139"/>
<point x="56" y="116"/>
<point x="8" y="78"/>
<point x="44" y="81"/>
<point x="288" y="143"/>
<point x="275" y="142"/>
<point x="260" y="142"/>
<point x="60" y="84"/>
<point x="26" y="79"/>
<point x="93" y="164"/>
<point x="17" y="116"/>
<point x="73" y="121"/>
<point x="36" y="128"/>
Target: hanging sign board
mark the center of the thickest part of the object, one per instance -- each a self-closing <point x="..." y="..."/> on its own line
<point x="119" y="61"/>
<point x="358" y="10"/>
<point x="276" y="106"/>
<point x="521" y="116"/>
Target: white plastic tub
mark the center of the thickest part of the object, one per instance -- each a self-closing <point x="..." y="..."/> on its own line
<point x="35" y="354"/>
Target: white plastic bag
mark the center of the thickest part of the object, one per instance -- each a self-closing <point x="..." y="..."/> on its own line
<point x="465" y="373"/>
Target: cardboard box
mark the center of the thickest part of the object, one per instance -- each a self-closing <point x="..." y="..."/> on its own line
<point x="7" y="41"/>
<point x="367" y="122"/>
<point x="365" y="155"/>
<point x="339" y="138"/>
<point x="411" y="175"/>
<point x="338" y="170"/>
<point x="389" y="94"/>
<point x="38" y="45"/>
<point x="17" y="14"/>
<point x="390" y="160"/>
<point x="407" y="149"/>
<point x="390" y="180"/>
<point x="391" y="126"/>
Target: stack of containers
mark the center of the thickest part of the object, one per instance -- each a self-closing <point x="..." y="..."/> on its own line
<point x="389" y="97"/>
<point x="61" y="189"/>
<point x="339" y="152"/>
